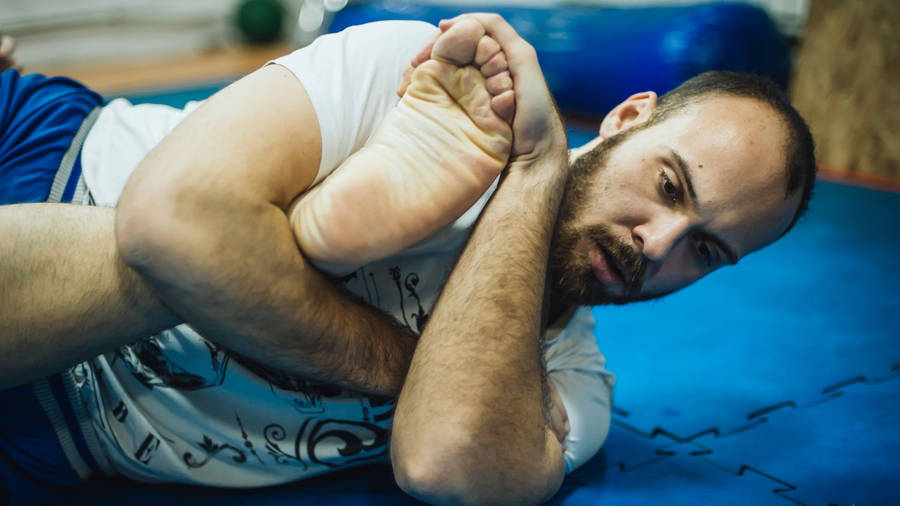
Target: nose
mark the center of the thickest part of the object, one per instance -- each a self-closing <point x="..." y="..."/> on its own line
<point x="656" y="237"/>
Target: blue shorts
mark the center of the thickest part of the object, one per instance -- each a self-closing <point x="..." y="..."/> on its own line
<point x="43" y="122"/>
<point x="41" y="132"/>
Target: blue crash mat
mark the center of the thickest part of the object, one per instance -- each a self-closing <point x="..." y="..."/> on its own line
<point x="626" y="449"/>
<point x="678" y="477"/>
<point x="842" y="450"/>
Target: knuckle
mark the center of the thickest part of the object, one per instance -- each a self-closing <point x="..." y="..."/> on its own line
<point x="528" y="49"/>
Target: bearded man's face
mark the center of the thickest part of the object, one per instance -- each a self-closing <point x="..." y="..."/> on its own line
<point x="652" y="209"/>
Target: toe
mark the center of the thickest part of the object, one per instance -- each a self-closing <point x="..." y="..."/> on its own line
<point x="504" y="105"/>
<point x="457" y="45"/>
<point x="495" y="65"/>
<point x="487" y="48"/>
<point x="499" y="83"/>
<point x="425" y="53"/>
<point x="405" y="80"/>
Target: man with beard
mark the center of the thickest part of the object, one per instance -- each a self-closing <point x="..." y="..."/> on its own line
<point x="291" y="382"/>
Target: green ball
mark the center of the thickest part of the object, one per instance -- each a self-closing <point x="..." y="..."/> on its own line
<point x="260" y="21"/>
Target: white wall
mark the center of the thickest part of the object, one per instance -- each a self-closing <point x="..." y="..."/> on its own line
<point x="66" y="31"/>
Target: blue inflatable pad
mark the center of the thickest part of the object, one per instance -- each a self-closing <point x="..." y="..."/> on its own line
<point x="593" y="58"/>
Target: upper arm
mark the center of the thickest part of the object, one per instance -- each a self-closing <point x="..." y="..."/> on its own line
<point x="576" y="368"/>
<point x="257" y="138"/>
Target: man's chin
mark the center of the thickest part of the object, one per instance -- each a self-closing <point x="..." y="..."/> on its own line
<point x="630" y="299"/>
<point x="588" y="294"/>
<point x="594" y="293"/>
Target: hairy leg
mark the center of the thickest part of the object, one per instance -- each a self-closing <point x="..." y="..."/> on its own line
<point x="432" y="157"/>
<point x="66" y="295"/>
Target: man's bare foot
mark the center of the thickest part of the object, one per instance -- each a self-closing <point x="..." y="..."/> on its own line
<point x="7" y="46"/>
<point x="430" y="160"/>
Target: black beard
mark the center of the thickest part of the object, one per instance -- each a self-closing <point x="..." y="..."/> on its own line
<point x="570" y="273"/>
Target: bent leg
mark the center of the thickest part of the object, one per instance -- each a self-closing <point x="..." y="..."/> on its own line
<point x="65" y="295"/>
<point x="430" y="160"/>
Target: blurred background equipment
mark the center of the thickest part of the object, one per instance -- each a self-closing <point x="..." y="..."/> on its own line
<point x="260" y="21"/>
<point x="594" y="57"/>
<point x="62" y="31"/>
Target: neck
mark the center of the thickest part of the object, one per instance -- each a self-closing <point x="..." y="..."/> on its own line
<point x="555" y="306"/>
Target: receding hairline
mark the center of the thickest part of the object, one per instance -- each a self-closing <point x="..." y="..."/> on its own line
<point x="668" y="110"/>
<point x="672" y="110"/>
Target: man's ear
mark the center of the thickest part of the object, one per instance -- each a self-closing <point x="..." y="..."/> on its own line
<point x="635" y="110"/>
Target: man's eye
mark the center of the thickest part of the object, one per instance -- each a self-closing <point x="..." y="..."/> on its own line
<point x="668" y="186"/>
<point x="705" y="252"/>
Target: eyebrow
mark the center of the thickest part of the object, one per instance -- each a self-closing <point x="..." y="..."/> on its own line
<point x="685" y="173"/>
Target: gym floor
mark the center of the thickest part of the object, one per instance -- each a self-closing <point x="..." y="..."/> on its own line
<point x="774" y="382"/>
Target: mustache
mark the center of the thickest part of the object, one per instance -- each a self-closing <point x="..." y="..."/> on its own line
<point x="625" y="258"/>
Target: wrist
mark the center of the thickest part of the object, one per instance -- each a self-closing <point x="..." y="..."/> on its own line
<point x="550" y="162"/>
<point x="540" y="178"/>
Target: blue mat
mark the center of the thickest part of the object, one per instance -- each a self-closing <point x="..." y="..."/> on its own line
<point x="842" y="450"/>
<point x="676" y="476"/>
<point x="767" y="383"/>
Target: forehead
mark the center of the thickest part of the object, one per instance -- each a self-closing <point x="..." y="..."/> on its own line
<point x="733" y="149"/>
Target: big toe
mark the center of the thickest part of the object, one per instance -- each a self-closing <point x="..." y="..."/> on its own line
<point x="458" y="44"/>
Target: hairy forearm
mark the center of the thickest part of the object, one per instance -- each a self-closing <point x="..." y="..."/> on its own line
<point x="474" y="391"/>
<point x="66" y="295"/>
<point x="231" y="268"/>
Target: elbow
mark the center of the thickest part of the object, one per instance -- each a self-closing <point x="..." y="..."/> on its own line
<point x="428" y="473"/>
<point x="143" y="231"/>
<point x="455" y="469"/>
<point x="133" y="236"/>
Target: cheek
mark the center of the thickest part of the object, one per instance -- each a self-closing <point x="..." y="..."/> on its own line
<point x="612" y="198"/>
<point x="677" y="272"/>
<point x="633" y="196"/>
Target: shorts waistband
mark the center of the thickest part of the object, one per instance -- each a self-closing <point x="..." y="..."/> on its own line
<point x="57" y="394"/>
<point x="53" y="398"/>
<point x="68" y="184"/>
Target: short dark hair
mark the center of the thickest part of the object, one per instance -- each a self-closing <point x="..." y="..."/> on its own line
<point x="800" y="160"/>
